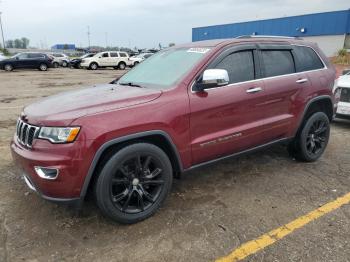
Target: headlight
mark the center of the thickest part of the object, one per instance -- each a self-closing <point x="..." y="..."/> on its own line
<point x="59" y="134"/>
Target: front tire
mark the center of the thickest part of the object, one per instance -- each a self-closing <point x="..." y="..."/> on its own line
<point x="93" y="66"/>
<point x="134" y="183"/>
<point x="64" y="64"/>
<point x="311" y="142"/>
<point x="8" y="67"/>
<point x="55" y="65"/>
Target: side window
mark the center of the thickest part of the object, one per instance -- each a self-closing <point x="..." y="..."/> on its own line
<point x="114" y="54"/>
<point x="239" y="66"/>
<point x="105" y="55"/>
<point x="23" y="56"/>
<point x="36" y="55"/>
<point x="307" y="59"/>
<point x="123" y="55"/>
<point x="277" y="62"/>
<point x="147" y="56"/>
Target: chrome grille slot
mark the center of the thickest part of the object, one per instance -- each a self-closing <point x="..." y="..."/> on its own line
<point x="26" y="133"/>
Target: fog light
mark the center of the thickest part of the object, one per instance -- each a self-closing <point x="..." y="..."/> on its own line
<point x="46" y="172"/>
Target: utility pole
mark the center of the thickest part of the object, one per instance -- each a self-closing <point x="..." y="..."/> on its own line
<point x="2" y="32"/>
<point x="106" y="38"/>
<point x="88" y="34"/>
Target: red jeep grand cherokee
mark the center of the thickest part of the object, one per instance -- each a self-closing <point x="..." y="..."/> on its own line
<point x="182" y="108"/>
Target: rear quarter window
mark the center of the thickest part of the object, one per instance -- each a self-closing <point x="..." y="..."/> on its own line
<point x="307" y="59"/>
<point x="277" y="62"/>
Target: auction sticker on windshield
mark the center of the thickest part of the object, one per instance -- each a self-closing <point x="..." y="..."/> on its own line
<point x="198" y="50"/>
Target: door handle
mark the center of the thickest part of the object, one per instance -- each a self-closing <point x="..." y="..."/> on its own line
<point x="254" y="90"/>
<point x="302" y="80"/>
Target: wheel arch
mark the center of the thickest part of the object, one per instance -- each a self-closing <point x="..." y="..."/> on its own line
<point x="156" y="137"/>
<point x="318" y="104"/>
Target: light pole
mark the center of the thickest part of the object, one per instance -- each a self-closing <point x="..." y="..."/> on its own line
<point x="88" y="34"/>
<point x="2" y="32"/>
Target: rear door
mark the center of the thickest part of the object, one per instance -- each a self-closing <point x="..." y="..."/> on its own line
<point x="283" y="86"/>
<point x="229" y="119"/>
<point x="114" y="59"/>
<point x="35" y="59"/>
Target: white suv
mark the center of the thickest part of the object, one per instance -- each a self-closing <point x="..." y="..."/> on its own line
<point x="342" y="94"/>
<point x="117" y="60"/>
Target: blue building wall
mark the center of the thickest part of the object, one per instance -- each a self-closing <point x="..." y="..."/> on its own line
<point x="64" y="47"/>
<point x="329" y="23"/>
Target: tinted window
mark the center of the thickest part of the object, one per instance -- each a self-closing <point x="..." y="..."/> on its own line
<point x="307" y="59"/>
<point x="36" y="56"/>
<point x="123" y="55"/>
<point x="22" y="56"/>
<point x="114" y="55"/>
<point x="277" y="62"/>
<point x="239" y="66"/>
<point x="105" y="55"/>
<point x="147" y="56"/>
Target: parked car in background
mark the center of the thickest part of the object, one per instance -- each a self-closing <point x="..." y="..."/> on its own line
<point x="185" y="107"/>
<point x="342" y="95"/>
<point x="75" y="63"/>
<point x="139" y="58"/>
<point x="60" y="60"/>
<point x="31" y="60"/>
<point x="2" y="57"/>
<point x="115" y="59"/>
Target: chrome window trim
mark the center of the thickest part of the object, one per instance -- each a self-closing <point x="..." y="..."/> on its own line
<point x="270" y="77"/>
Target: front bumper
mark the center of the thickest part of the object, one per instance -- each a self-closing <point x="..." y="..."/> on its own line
<point x="76" y="202"/>
<point x="72" y="160"/>
<point x="343" y="108"/>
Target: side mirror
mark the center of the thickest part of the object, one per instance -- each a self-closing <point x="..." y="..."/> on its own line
<point x="212" y="78"/>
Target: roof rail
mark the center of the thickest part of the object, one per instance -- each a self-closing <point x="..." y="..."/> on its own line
<point x="268" y="36"/>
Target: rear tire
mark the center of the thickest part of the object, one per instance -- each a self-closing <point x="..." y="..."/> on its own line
<point x="8" y="67"/>
<point x="134" y="183"/>
<point x="313" y="138"/>
<point x="43" y="67"/>
<point x="55" y="65"/>
<point x="122" y="66"/>
<point x="64" y="64"/>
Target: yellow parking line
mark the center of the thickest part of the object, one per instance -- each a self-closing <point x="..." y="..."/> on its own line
<point x="271" y="237"/>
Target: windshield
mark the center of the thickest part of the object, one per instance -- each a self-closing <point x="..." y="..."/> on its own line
<point x="164" y="69"/>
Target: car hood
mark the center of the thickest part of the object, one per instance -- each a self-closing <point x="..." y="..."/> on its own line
<point x="62" y="109"/>
<point x="344" y="81"/>
<point x="7" y="60"/>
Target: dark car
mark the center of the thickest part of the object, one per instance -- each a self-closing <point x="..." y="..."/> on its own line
<point x="75" y="63"/>
<point x="180" y="109"/>
<point x="39" y="61"/>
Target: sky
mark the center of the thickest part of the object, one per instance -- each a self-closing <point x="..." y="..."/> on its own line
<point x="138" y="23"/>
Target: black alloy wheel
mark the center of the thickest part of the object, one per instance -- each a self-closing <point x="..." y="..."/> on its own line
<point x="134" y="183"/>
<point x="312" y="141"/>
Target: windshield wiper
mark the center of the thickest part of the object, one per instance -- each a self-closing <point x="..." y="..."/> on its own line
<point x="129" y="84"/>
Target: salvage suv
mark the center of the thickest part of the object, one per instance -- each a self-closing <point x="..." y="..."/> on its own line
<point x="182" y="108"/>
<point x="117" y="60"/>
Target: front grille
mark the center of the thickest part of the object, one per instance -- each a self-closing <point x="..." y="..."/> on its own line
<point x="26" y="133"/>
<point x="345" y="95"/>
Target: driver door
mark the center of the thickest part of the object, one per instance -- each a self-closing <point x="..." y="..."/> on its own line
<point x="229" y="119"/>
<point x="104" y="59"/>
